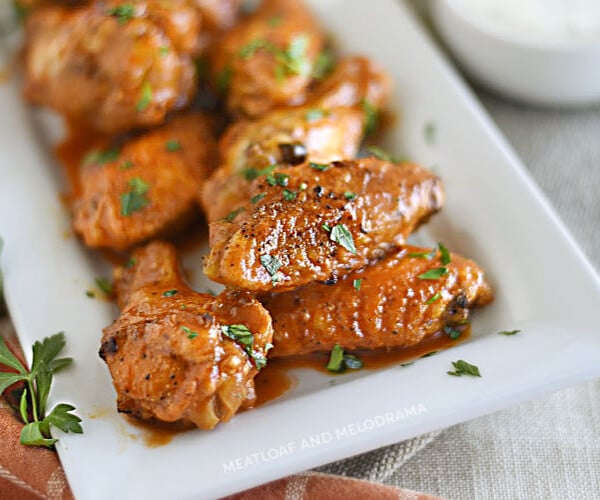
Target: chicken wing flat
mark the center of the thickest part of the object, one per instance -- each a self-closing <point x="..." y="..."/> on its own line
<point x="148" y="189"/>
<point x="384" y="306"/>
<point x="180" y="356"/>
<point x="267" y="60"/>
<point x="288" y="136"/>
<point x="112" y="66"/>
<point x="318" y="222"/>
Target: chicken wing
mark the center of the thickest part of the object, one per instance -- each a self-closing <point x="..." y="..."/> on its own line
<point x="317" y="222"/>
<point x="180" y="356"/>
<point x="289" y="136"/>
<point x="387" y="305"/>
<point x="266" y="61"/>
<point x="147" y="189"/>
<point x="112" y="66"/>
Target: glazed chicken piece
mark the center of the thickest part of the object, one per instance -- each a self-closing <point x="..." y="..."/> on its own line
<point x="316" y="222"/>
<point x="289" y="136"/>
<point x="392" y="306"/>
<point x="112" y="66"/>
<point x="267" y="60"/>
<point x="148" y="189"/>
<point x="180" y="356"/>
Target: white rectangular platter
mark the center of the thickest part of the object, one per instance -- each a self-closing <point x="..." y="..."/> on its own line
<point x="494" y="214"/>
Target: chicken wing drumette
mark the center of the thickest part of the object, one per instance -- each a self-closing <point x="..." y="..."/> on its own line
<point x="113" y="65"/>
<point x="147" y="189"/>
<point x="267" y="60"/>
<point x="180" y="356"/>
<point x="318" y="222"/>
<point x="391" y="304"/>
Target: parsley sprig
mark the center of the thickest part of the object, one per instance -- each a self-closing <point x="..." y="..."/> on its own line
<point x="243" y="336"/>
<point x="34" y="398"/>
<point x="339" y="361"/>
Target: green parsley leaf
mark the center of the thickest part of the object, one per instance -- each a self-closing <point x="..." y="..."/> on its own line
<point x="252" y="173"/>
<point x="289" y="195"/>
<point x="314" y="114"/>
<point x="163" y="51"/>
<point x="429" y="354"/>
<point x="278" y="179"/>
<point x="130" y="263"/>
<point x="452" y="332"/>
<point x="23" y="406"/>
<point x="8" y="379"/>
<point x="126" y="165"/>
<point x="101" y="157"/>
<point x="321" y="167"/>
<point x="242" y="335"/>
<point x="357" y="283"/>
<point x="9" y="359"/>
<point x="384" y="155"/>
<point x="104" y="285"/>
<point x="461" y="368"/>
<point x="410" y="363"/>
<point x="274" y="21"/>
<point x="135" y="199"/>
<point x="31" y="435"/>
<point x="323" y="65"/>
<point x="423" y="255"/>
<point x="61" y="417"/>
<point x="349" y="195"/>
<point x="252" y="47"/>
<point x="429" y="131"/>
<point x="434" y="274"/>
<point x="232" y="215"/>
<point x="123" y="13"/>
<point x="190" y="333"/>
<point x="145" y="97"/>
<point x="272" y="264"/>
<point x="173" y="146"/>
<point x="255" y="199"/>
<point x="371" y="117"/>
<point x="170" y="293"/>
<point x="343" y="237"/>
<point x="339" y="361"/>
<point x="90" y="294"/>
<point x="444" y="254"/>
<point x="509" y="332"/>
<point x="433" y="298"/>
<point x="327" y="227"/>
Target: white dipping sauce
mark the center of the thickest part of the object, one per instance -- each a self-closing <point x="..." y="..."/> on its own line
<point x="542" y="20"/>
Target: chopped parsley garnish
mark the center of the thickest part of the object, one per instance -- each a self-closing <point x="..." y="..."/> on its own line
<point x="357" y="283"/>
<point x="135" y="199"/>
<point x="290" y="61"/>
<point x="252" y="173"/>
<point x="145" y="97"/>
<point x="90" y="294"/>
<point x="339" y="361"/>
<point x="349" y="195"/>
<point x="256" y="198"/>
<point x="163" y="51"/>
<point x="461" y="368"/>
<point x="321" y="167"/>
<point x="343" y="237"/>
<point x="371" y="117"/>
<point x="314" y="114"/>
<point x="243" y="336"/>
<point x="429" y="354"/>
<point x="223" y="79"/>
<point x="272" y="264"/>
<point x="170" y="293"/>
<point x="429" y="132"/>
<point x="274" y="21"/>
<point x="423" y="255"/>
<point x="101" y="157"/>
<point x="248" y="50"/>
<point x="191" y="334"/>
<point x="232" y="215"/>
<point x="323" y="65"/>
<point x="123" y="13"/>
<point x="126" y="165"/>
<point x="130" y="263"/>
<point x="289" y="195"/>
<point x="327" y="227"/>
<point x="437" y="296"/>
<point x="452" y="332"/>
<point x="434" y="274"/>
<point x="278" y="179"/>
<point x="509" y="332"/>
<point x="173" y="146"/>
<point x="34" y="397"/>
<point x="444" y="254"/>
<point x="104" y="285"/>
<point x="383" y="155"/>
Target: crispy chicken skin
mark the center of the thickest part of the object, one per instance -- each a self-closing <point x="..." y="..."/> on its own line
<point x="266" y="61"/>
<point x="281" y="137"/>
<point x="168" y="356"/>
<point x="390" y="309"/>
<point x="354" y="80"/>
<point x="108" y="72"/>
<point x="162" y="171"/>
<point x="294" y="225"/>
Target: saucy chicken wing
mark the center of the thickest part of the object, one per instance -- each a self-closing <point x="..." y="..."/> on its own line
<point x="390" y="304"/>
<point x="267" y="60"/>
<point x="176" y="355"/>
<point x="289" y="136"/>
<point x="148" y="188"/>
<point x="318" y="222"/>
<point x="112" y="66"/>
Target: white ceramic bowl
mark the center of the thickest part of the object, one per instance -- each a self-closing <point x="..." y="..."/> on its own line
<point x="561" y="73"/>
